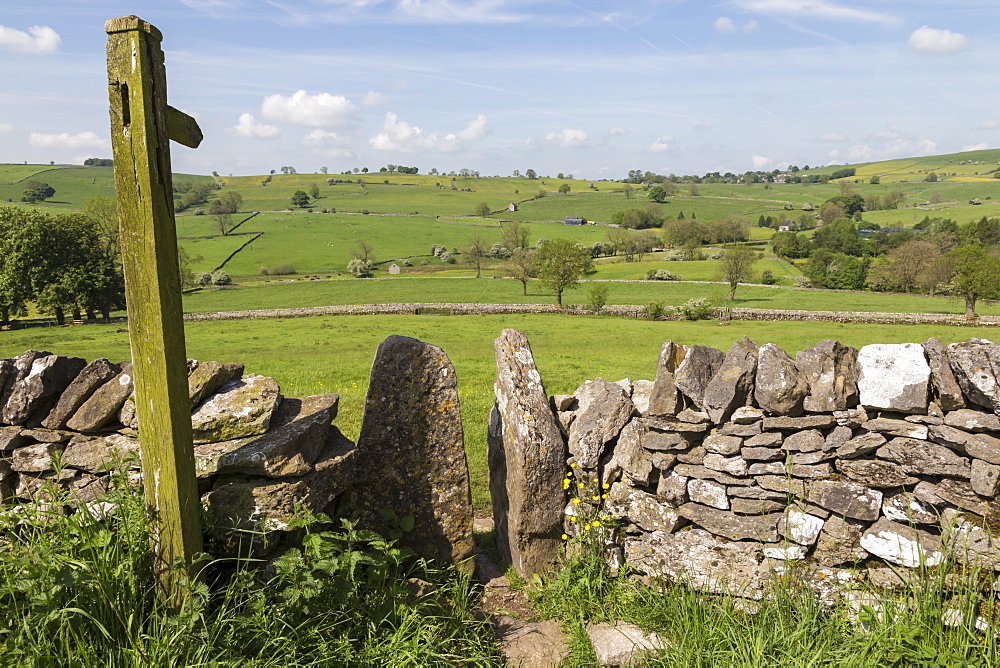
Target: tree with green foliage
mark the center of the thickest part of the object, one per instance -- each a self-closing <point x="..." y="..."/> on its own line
<point x="561" y="265"/>
<point x="597" y="296"/>
<point x="314" y="190"/>
<point x="736" y="264"/>
<point x="530" y="173"/>
<point x="482" y="210"/>
<point x="629" y="191"/>
<point x="36" y="191"/>
<point x="975" y="275"/>
<point x="300" y="199"/>
<point x="657" y="194"/>
<point x="564" y="189"/>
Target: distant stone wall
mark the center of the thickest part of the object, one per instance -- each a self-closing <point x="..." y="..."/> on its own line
<point x="728" y="466"/>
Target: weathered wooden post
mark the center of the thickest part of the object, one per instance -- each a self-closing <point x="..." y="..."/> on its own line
<point x="141" y="126"/>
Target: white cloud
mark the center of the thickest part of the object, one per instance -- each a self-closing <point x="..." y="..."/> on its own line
<point x="319" y="137"/>
<point x="249" y="127"/>
<point x="315" y="111"/>
<point x="981" y="146"/>
<point x="760" y="162"/>
<point x="858" y="153"/>
<point x="568" y="138"/>
<point x="933" y="41"/>
<point x="479" y="128"/>
<point x="989" y="124"/>
<point x="818" y="9"/>
<point x="618" y="131"/>
<point x="400" y="136"/>
<point x="66" y="140"/>
<point x="5" y="128"/>
<point x="662" y="144"/>
<point x="42" y="39"/>
<point x="703" y="126"/>
<point x="372" y="98"/>
<point x="724" y="24"/>
<point x="833" y="136"/>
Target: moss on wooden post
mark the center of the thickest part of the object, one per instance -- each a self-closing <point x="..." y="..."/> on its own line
<point x="140" y="131"/>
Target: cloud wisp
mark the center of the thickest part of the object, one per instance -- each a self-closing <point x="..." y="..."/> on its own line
<point x="402" y="137"/>
<point x="66" y="140"/>
<point x="249" y="127"/>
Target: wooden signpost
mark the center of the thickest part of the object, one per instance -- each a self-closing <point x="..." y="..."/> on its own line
<point x="141" y="126"/>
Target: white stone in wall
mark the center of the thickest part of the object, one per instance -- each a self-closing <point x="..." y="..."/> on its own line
<point x="894" y="376"/>
<point x="901" y="545"/>
<point x="800" y="527"/>
<point x="785" y="552"/>
<point x="708" y="493"/>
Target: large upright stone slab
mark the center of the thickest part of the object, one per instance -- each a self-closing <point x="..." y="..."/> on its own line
<point x="83" y="386"/>
<point x="527" y="460"/>
<point x="411" y="452"/>
<point x="975" y="363"/>
<point x="603" y="411"/>
<point x="943" y="383"/>
<point x="665" y="399"/>
<point x="831" y="371"/>
<point x="732" y="385"/>
<point x="696" y="372"/>
<point x="894" y="377"/>
<point x="779" y="388"/>
<point x="33" y="397"/>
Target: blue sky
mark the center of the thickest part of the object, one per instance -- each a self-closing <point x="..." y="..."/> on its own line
<point x="583" y="87"/>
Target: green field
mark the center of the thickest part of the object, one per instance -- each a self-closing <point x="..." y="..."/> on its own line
<point x="695" y="270"/>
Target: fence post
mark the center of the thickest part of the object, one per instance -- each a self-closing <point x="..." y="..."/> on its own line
<point x="141" y="126"/>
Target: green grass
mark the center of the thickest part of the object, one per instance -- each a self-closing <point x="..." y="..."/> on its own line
<point x="79" y="592"/>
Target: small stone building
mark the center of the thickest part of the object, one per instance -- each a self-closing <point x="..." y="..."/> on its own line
<point x="393" y="268"/>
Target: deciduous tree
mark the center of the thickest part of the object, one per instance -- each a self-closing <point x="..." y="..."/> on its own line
<point x="737" y="261"/>
<point x="522" y="266"/>
<point x="561" y="265"/>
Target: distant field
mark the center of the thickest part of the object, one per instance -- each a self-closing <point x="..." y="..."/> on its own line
<point x="697" y="270"/>
<point x="507" y="291"/>
<point x="334" y="354"/>
<point x="322" y="243"/>
<point x="11" y="173"/>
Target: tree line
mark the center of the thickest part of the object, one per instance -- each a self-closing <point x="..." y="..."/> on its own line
<point x="64" y="263"/>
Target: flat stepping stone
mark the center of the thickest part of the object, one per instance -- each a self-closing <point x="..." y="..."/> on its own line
<point x="530" y="644"/>
<point x="621" y="643"/>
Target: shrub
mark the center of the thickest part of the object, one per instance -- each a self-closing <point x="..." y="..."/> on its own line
<point x="203" y="278"/>
<point x="282" y="269"/>
<point x="801" y="281"/>
<point x="597" y="296"/>
<point x="221" y="277"/>
<point x="360" y="268"/>
<point x="695" y="309"/>
<point x="767" y="277"/>
<point x="655" y="309"/>
<point x="661" y="275"/>
<point x="263" y="271"/>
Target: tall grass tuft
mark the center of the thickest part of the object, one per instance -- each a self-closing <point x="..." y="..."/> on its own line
<point x="78" y="590"/>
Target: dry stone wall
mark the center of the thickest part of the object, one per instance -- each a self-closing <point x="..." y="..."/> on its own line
<point x="259" y="456"/>
<point x="727" y="466"/>
<point x="68" y="433"/>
